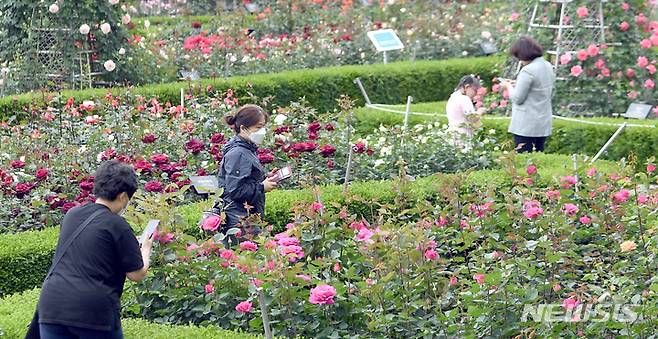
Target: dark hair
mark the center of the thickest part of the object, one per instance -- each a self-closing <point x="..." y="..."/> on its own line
<point x="526" y="49"/>
<point x="247" y="115"/>
<point x="113" y="178"/>
<point x="467" y="80"/>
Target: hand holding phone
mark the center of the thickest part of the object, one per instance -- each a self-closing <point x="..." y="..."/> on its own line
<point x="149" y="230"/>
<point x="284" y="173"/>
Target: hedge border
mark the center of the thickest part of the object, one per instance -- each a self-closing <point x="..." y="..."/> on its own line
<point x="25" y="257"/>
<point x="568" y="137"/>
<point x="391" y="83"/>
<point x="16" y="312"/>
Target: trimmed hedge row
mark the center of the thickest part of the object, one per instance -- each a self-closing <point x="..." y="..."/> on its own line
<point x="568" y="137"/>
<point x="391" y="83"/>
<point x="16" y="312"/>
<point x="25" y="257"/>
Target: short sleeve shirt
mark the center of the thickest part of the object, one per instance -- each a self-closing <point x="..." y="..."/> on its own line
<point x="85" y="287"/>
<point x="458" y="106"/>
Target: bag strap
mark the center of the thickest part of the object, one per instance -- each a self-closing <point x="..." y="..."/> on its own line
<point x="69" y="241"/>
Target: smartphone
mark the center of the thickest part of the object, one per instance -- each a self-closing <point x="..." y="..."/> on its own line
<point x="284" y="173"/>
<point x="148" y="231"/>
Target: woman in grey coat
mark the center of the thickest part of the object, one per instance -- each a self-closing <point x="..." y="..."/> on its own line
<point x="532" y="111"/>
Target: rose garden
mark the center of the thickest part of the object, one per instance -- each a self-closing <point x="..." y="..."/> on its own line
<point x="391" y="224"/>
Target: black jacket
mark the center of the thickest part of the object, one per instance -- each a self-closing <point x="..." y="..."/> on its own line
<point x="241" y="176"/>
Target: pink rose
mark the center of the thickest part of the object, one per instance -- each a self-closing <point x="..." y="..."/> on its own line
<point x="303" y="277"/>
<point x="248" y="246"/>
<point x="364" y="235"/>
<point x="625" y="6"/>
<point x="209" y="288"/>
<point x="624" y="26"/>
<point x="557" y="287"/>
<point x="585" y="220"/>
<point x="570" y="303"/>
<point x="593" y="50"/>
<point x="533" y="212"/>
<point x="479" y="278"/>
<point x="642" y="62"/>
<point x="514" y="16"/>
<point x="576" y="70"/>
<point x="630" y="72"/>
<point x="621" y="196"/>
<point x="582" y="12"/>
<point x="553" y="194"/>
<point x="582" y="55"/>
<point x="212" y="223"/>
<point x="651" y="168"/>
<point x="565" y="58"/>
<point x="651" y="69"/>
<point x="591" y="172"/>
<point x="453" y="281"/>
<point x="317" y="206"/>
<point x="337" y="267"/>
<point x="649" y="84"/>
<point x="322" y="295"/>
<point x="645" y="43"/>
<point x="532" y="169"/>
<point x="568" y="181"/>
<point x="292" y="252"/>
<point x="430" y="254"/>
<point x="163" y="238"/>
<point x="642" y="199"/>
<point x="244" y="307"/>
<point x="228" y="255"/>
<point x="570" y="209"/>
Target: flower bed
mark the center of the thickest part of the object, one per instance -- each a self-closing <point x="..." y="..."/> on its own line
<point x="166" y="144"/>
<point x="453" y="263"/>
<point x="568" y="137"/>
<point x="26" y="256"/>
<point x="16" y="312"/>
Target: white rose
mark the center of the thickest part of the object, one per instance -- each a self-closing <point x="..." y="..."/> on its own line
<point x="279" y="119"/>
<point x="109" y="65"/>
<point x="126" y="19"/>
<point x="53" y="9"/>
<point x="122" y="51"/>
<point x="486" y="34"/>
<point x="84" y="29"/>
<point x="106" y="28"/>
<point x="147" y="24"/>
<point x="114" y="2"/>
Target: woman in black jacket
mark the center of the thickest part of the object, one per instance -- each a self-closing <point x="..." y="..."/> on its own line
<point x="241" y="174"/>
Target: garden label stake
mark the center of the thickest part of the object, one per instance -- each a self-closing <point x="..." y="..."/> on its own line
<point x="266" y="317"/>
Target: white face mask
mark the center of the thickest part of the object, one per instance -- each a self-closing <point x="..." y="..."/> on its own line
<point x="123" y="210"/>
<point x="258" y="136"/>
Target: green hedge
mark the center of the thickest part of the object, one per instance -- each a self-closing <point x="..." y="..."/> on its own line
<point x="424" y="80"/>
<point x="16" y="312"/>
<point x="568" y="137"/>
<point x="25" y="257"/>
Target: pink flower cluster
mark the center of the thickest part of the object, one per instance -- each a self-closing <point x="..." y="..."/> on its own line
<point x="322" y="295"/>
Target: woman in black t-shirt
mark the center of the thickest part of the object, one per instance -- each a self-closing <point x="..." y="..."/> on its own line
<point x="81" y="299"/>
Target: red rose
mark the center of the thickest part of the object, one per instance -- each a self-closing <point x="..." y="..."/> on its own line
<point x="124" y="159"/>
<point x="149" y="138"/>
<point x="143" y="166"/>
<point x="201" y="172"/>
<point x="304" y="147"/>
<point x="17" y="164"/>
<point x="153" y="186"/>
<point x="314" y="127"/>
<point x="196" y="25"/>
<point x="265" y="158"/>
<point x="8" y="180"/>
<point x="182" y="183"/>
<point x="23" y="189"/>
<point x="42" y="174"/>
<point x="108" y="154"/>
<point x="327" y="150"/>
<point x="370" y="152"/>
<point x="67" y="206"/>
<point x="331" y="164"/>
<point x="195" y="146"/>
<point x="329" y="127"/>
<point x="159" y="159"/>
<point x="359" y="147"/>
<point x="313" y="136"/>
<point x="282" y="129"/>
<point x="217" y="138"/>
<point x="214" y="150"/>
<point x="87" y="185"/>
<point x="175" y="176"/>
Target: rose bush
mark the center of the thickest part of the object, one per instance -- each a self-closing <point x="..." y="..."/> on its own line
<point x="458" y="264"/>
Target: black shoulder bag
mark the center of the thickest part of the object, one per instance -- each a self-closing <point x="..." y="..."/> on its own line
<point x="33" y="329"/>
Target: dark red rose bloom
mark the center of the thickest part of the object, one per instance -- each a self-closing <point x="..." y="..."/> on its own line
<point x="312" y="136"/>
<point x="218" y="157"/>
<point x="23" y="188"/>
<point x="175" y="176"/>
<point x="124" y="159"/>
<point x="304" y="147"/>
<point x="143" y="166"/>
<point x="217" y="138"/>
<point x="282" y="129"/>
<point x="214" y="150"/>
<point x="42" y="174"/>
<point x="149" y="138"/>
<point x="331" y="164"/>
<point x="201" y="172"/>
<point x="108" y="154"/>
<point x="329" y="127"/>
<point x="359" y="147"/>
<point x="266" y="158"/>
<point x="87" y="185"/>
<point x="196" y="25"/>
<point x="159" y="159"/>
<point x="370" y="152"/>
<point x="314" y="127"/>
<point x="17" y="164"/>
<point x="183" y="183"/>
<point x="327" y="150"/>
<point x="153" y="186"/>
<point x="195" y="146"/>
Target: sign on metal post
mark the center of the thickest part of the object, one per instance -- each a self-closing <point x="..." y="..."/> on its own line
<point x="385" y="40"/>
<point x="637" y="111"/>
